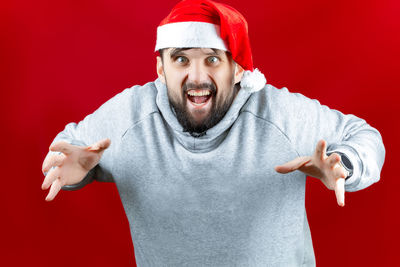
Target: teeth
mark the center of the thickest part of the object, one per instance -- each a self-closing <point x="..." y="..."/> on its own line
<point x="198" y="93"/>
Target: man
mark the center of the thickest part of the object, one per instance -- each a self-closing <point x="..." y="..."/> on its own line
<point x="196" y="154"/>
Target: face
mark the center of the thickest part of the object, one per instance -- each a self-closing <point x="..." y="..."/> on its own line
<point x="201" y="85"/>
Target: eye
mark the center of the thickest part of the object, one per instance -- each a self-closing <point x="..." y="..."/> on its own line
<point x="212" y="59"/>
<point x="181" y="59"/>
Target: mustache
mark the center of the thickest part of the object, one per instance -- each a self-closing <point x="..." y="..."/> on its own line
<point x="190" y="86"/>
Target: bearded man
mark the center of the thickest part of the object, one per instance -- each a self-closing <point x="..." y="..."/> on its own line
<point x="196" y="153"/>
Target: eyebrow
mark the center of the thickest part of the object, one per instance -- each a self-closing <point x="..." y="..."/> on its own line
<point x="176" y="51"/>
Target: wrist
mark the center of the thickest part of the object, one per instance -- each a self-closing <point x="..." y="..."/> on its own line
<point x="345" y="163"/>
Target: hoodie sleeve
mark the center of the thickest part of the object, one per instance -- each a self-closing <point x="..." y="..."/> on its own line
<point x="306" y="121"/>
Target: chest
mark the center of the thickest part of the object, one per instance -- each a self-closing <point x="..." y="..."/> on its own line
<point x="154" y="168"/>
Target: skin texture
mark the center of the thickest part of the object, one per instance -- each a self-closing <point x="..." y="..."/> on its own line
<point x="183" y="70"/>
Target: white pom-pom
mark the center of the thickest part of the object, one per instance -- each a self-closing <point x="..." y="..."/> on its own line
<point x="253" y="81"/>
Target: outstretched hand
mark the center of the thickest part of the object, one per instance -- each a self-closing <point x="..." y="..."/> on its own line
<point x="70" y="165"/>
<point x="319" y="165"/>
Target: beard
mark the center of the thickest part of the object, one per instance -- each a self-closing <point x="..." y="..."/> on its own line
<point x="219" y="107"/>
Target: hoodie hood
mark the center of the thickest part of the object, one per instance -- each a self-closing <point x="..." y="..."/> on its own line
<point x="214" y="135"/>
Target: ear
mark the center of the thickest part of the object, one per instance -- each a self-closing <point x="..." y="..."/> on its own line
<point x="160" y="70"/>
<point x="238" y="73"/>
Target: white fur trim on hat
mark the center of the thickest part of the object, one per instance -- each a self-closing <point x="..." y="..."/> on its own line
<point x="253" y="81"/>
<point x="190" y="34"/>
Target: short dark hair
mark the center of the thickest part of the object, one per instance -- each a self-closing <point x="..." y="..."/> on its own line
<point x="161" y="51"/>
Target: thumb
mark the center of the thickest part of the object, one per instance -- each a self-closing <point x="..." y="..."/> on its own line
<point x="100" y="145"/>
<point x="292" y="165"/>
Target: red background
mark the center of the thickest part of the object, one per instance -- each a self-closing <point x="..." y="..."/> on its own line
<point x="61" y="59"/>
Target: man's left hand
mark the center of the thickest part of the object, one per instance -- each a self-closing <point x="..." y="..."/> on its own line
<point x="319" y="165"/>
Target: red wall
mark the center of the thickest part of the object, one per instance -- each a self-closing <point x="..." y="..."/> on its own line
<point x="60" y="60"/>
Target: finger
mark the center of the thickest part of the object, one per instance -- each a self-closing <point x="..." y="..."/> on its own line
<point x="339" y="171"/>
<point x="55" y="188"/>
<point x="292" y="165"/>
<point x="320" y="150"/>
<point x="62" y="146"/>
<point x="100" y="145"/>
<point x="52" y="161"/>
<point x="51" y="176"/>
<point x="47" y="159"/>
<point x="333" y="159"/>
<point x="339" y="191"/>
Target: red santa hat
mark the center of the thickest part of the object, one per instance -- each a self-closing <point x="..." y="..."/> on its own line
<point x="208" y="24"/>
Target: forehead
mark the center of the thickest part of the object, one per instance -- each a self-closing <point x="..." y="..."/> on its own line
<point x="195" y="51"/>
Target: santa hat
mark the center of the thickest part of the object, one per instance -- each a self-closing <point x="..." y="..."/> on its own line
<point x="208" y="24"/>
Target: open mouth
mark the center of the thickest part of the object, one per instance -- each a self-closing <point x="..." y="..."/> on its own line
<point x="199" y="97"/>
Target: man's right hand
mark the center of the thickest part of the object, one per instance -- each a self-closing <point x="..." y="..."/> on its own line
<point x="70" y="165"/>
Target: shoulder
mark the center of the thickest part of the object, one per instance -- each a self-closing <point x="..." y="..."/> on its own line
<point x="133" y="103"/>
<point x="289" y="112"/>
<point x="271" y="102"/>
<point x="122" y="111"/>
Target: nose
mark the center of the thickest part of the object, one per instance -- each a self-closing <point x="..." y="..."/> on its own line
<point x="198" y="72"/>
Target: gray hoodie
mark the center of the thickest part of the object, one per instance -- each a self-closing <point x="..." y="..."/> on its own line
<point x="216" y="200"/>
